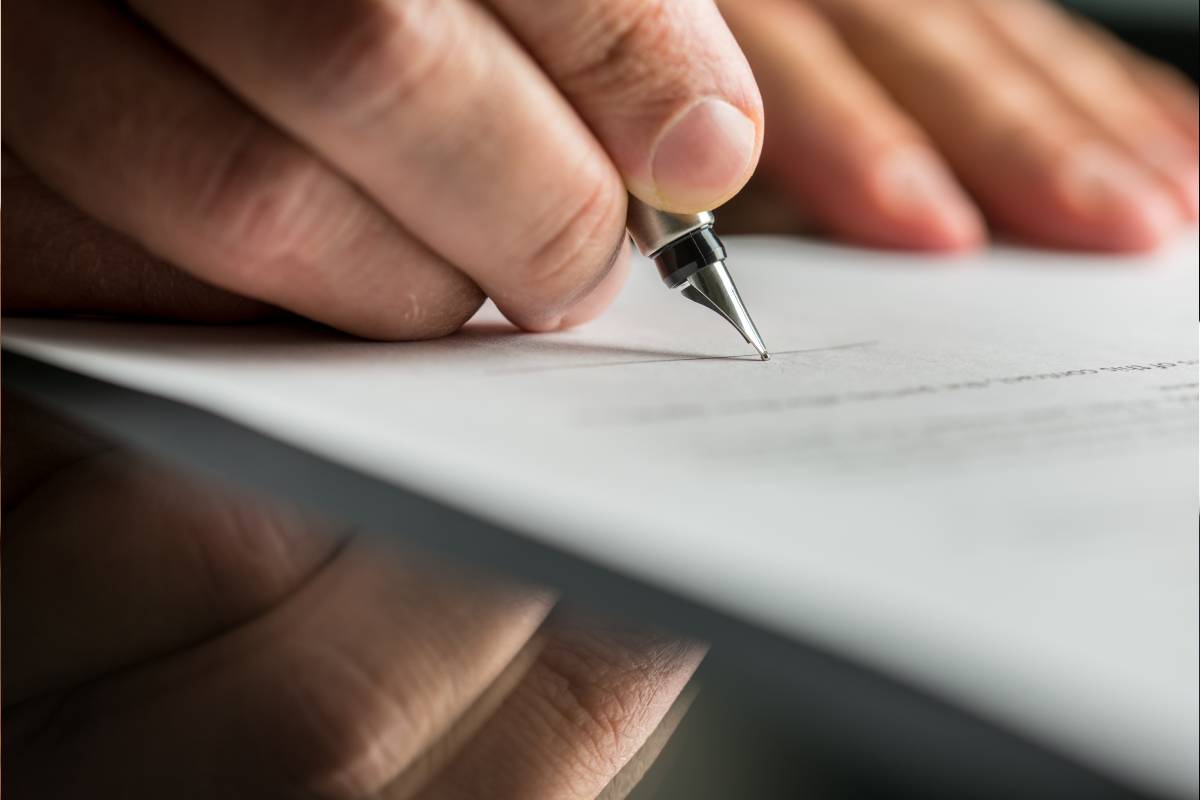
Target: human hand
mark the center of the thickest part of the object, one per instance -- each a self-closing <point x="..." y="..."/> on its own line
<point x="164" y="637"/>
<point x="904" y="124"/>
<point x="376" y="166"/>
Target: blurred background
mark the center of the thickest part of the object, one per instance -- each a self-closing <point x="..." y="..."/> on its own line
<point x="1164" y="28"/>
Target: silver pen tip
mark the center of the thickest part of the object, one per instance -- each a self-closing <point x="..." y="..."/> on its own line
<point x="711" y="286"/>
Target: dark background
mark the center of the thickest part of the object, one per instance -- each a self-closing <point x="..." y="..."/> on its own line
<point x="1167" y="29"/>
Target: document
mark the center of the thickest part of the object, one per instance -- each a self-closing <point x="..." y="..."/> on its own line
<point x="976" y="473"/>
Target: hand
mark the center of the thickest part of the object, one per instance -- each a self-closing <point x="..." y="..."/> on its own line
<point x="168" y="638"/>
<point x="903" y="124"/>
<point x="378" y="166"/>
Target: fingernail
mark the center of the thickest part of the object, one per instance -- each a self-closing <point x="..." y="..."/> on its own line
<point x="1190" y="189"/>
<point x="1187" y="184"/>
<point x="1177" y="164"/>
<point x="702" y="157"/>
<point x="1101" y="180"/>
<point x="914" y="184"/>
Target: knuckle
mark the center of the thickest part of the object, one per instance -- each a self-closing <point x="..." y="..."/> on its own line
<point x="236" y="555"/>
<point x="258" y="206"/>
<point x="348" y="735"/>
<point x="246" y="555"/>
<point x="576" y="247"/>
<point x="253" y="555"/>
<point x="1019" y="13"/>
<point x="619" y="41"/>
<point x="372" y="56"/>
<point x="942" y="33"/>
<point x="905" y="34"/>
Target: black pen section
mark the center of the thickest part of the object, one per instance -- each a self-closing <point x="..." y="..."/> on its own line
<point x="683" y="257"/>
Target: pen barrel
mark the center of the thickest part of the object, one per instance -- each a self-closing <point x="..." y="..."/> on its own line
<point x="653" y="229"/>
<point x="680" y="244"/>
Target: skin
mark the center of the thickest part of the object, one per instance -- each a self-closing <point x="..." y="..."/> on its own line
<point x="167" y="637"/>
<point x="382" y="167"/>
<point x="332" y="163"/>
<point x="914" y="125"/>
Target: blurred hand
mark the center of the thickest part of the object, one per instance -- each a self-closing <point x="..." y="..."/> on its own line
<point x="897" y="123"/>
<point x="166" y="638"/>
<point x="376" y="165"/>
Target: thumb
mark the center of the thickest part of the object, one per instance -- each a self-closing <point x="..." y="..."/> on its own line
<point x="662" y="84"/>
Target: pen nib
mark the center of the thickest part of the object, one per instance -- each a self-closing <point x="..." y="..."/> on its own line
<point x="712" y="287"/>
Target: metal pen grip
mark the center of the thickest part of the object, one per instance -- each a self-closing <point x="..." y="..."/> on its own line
<point x="652" y="229"/>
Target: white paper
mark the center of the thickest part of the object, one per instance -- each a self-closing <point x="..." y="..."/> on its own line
<point x="979" y="474"/>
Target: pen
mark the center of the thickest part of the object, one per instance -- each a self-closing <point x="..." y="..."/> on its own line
<point x="688" y="252"/>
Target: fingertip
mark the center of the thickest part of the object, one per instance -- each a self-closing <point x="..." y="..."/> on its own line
<point x="946" y="235"/>
<point x="1116" y="206"/>
<point x="914" y="203"/>
<point x="600" y="298"/>
<point x="1176" y="165"/>
<point x="703" y="156"/>
<point x="1191" y="193"/>
<point x="1146" y="224"/>
<point x="1185" y="186"/>
<point x="591" y="300"/>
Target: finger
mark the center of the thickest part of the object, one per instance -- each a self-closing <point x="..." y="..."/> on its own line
<point x="333" y="687"/>
<point x="586" y="707"/>
<point x="838" y="145"/>
<point x="35" y="446"/>
<point x="60" y="261"/>
<point x="389" y="659"/>
<point x="662" y="84"/>
<point x="630" y="777"/>
<point x="110" y="562"/>
<point x="1033" y="164"/>
<point x="1174" y="92"/>
<point x="1098" y="86"/>
<point x="600" y="298"/>
<point x="443" y="119"/>
<point x="138" y="138"/>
